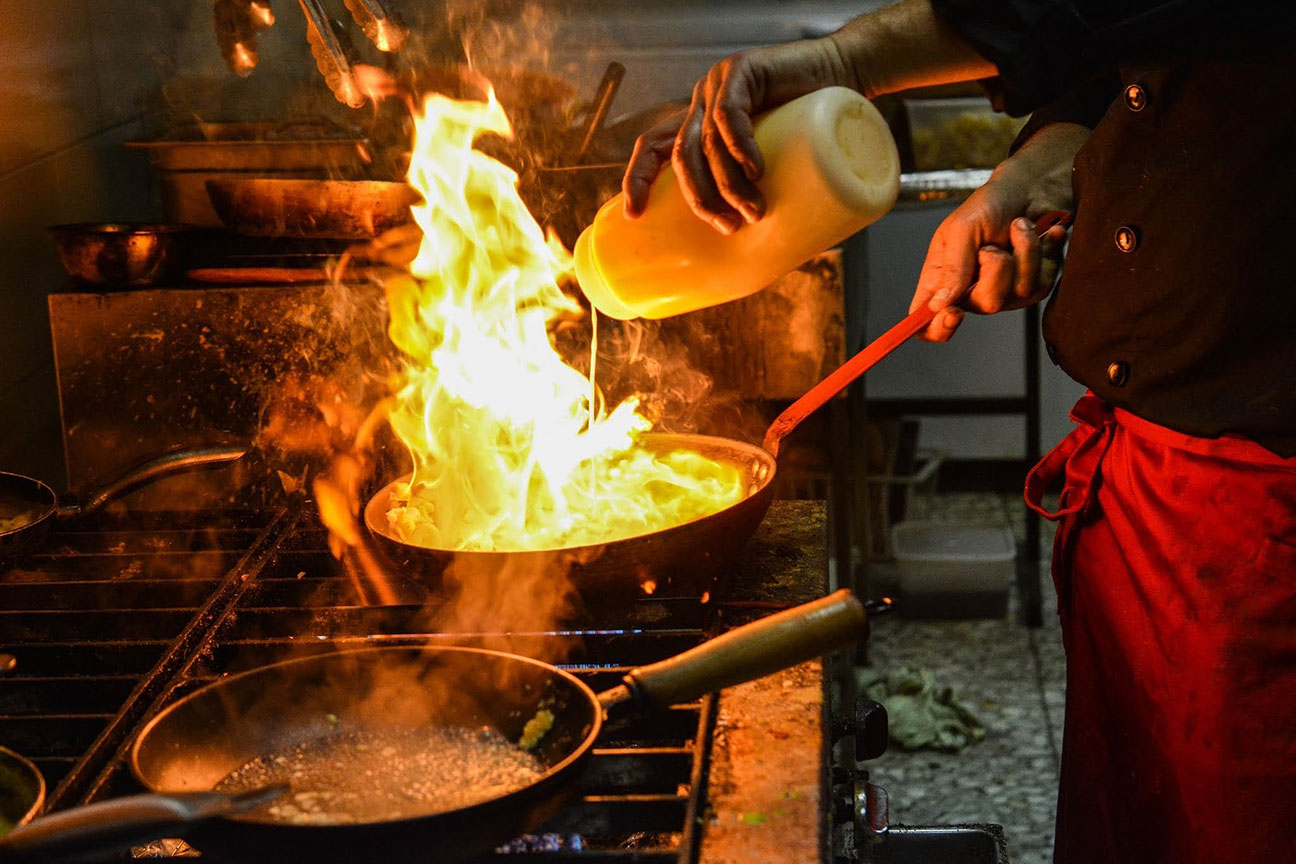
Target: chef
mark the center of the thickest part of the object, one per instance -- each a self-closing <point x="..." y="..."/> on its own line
<point x="1168" y="129"/>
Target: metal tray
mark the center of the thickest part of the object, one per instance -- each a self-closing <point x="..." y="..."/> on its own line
<point x="256" y="147"/>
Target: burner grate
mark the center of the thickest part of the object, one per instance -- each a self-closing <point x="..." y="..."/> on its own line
<point x="120" y="617"/>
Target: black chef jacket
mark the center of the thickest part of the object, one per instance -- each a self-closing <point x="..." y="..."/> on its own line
<point x="1178" y="298"/>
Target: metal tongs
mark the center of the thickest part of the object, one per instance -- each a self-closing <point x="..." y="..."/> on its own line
<point x="332" y="49"/>
<point x="238" y="21"/>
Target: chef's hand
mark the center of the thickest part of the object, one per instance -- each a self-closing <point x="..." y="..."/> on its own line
<point x="986" y="256"/>
<point x="712" y="147"/>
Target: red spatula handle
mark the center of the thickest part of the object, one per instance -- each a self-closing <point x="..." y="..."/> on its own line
<point x="880" y="347"/>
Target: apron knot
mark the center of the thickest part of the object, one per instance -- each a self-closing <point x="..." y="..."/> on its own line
<point x="1075" y="460"/>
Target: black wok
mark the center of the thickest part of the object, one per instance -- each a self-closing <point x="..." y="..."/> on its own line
<point x="692" y="554"/>
<point x="199" y="740"/>
<point x="683" y="559"/>
<point x="40" y="506"/>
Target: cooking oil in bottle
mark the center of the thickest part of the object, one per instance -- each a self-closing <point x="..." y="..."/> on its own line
<point x="831" y="168"/>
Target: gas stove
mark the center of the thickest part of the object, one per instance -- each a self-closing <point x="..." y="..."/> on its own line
<point x="118" y="614"/>
<point x="121" y="613"/>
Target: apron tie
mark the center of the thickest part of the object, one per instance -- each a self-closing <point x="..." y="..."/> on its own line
<point x="1075" y="460"/>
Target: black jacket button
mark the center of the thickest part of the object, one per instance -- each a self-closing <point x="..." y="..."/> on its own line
<point x="1127" y="238"/>
<point x="1118" y="373"/>
<point x="1136" y="98"/>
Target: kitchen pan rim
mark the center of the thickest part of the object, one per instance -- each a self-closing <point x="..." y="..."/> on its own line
<point x="41" y="786"/>
<point x="48" y="507"/>
<point x="552" y="775"/>
<point x="377" y="525"/>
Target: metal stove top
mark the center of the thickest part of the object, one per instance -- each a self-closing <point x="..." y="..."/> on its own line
<point x="120" y="614"/>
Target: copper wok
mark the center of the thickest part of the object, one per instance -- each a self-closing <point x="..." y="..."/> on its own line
<point x="197" y="741"/>
<point x="692" y="555"/>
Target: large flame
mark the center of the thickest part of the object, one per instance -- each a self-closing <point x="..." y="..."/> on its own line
<point x="511" y="449"/>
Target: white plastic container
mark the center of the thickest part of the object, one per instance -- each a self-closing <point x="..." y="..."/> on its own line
<point x="831" y="168"/>
<point x="954" y="569"/>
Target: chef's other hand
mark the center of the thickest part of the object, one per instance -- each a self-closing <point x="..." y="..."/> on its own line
<point x="987" y="256"/>
<point x="712" y="148"/>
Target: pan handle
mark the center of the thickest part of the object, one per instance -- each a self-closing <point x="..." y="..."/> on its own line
<point x="746" y="653"/>
<point x="880" y="347"/>
<point x="840" y="378"/>
<point x="180" y="462"/>
<point x="117" y="825"/>
<point x="598" y="112"/>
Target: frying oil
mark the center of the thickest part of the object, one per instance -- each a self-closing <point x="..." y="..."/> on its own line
<point x="379" y="776"/>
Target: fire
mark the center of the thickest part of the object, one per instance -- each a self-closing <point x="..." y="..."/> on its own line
<point x="511" y="447"/>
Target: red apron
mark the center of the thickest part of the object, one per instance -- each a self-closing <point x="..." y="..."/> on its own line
<point x="1175" y="566"/>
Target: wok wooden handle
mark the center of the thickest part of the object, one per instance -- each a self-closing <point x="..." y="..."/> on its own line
<point x="752" y="651"/>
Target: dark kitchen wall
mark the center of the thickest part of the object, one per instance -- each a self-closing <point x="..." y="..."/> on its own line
<point x="78" y="78"/>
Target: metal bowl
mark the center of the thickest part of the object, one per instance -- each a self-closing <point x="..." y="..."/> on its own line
<point x="121" y="254"/>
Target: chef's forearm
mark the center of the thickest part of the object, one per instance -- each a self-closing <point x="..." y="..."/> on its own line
<point x="903" y="46"/>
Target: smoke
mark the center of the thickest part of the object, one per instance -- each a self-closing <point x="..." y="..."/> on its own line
<point x="511" y="602"/>
<point x="658" y="363"/>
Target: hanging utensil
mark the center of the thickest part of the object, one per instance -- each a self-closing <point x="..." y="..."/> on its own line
<point x="237" y="23"/>
<point x="607" y="89"/>
<point x="383" y="26"/>
<point x="331" y="57"/>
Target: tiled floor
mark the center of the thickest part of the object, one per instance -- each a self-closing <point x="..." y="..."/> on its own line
<point x="1011" y="677"/>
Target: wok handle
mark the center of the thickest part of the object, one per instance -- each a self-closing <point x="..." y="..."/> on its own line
<point x="840" y="378"/>
<point x="117" y="825"/>
<point x="880" y="347"/>
<point x="180" y="462"/>
<point x="598" y="112"/>
<point x="752" y="651"/>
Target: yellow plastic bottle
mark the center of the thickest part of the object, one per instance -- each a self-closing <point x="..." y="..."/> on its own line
<point x="831" y="168"/>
